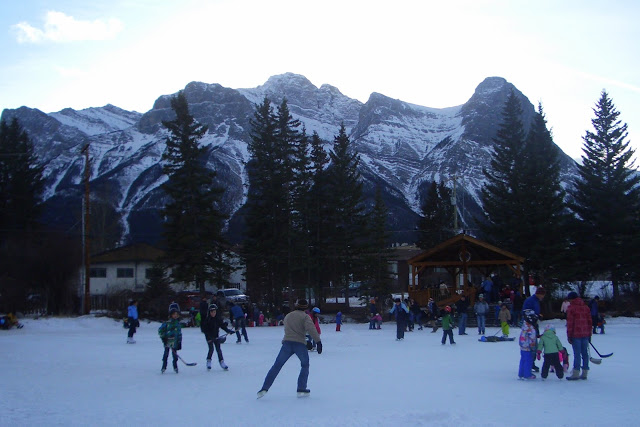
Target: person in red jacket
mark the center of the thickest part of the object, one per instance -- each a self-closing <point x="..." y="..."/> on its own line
<point x="579" y="335"/>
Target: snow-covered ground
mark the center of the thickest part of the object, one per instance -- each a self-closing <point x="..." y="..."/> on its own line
<point x="79" y="372"/>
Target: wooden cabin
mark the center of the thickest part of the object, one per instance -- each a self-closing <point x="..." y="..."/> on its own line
<point x="453" y="262"/>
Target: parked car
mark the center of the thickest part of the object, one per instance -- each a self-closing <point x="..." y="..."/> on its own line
<point x="233" y="295"/>
<point x="190" y="299"/>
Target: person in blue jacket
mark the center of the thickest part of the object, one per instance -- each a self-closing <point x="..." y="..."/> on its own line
<point x="402" y="315"/>
<point x="533" y="304"/>
<point x="239" y="322"/>
<point x="338" y="321"/>
<point x="132" y="319"/>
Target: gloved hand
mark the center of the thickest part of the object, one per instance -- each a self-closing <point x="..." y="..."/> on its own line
<point x="570" y="340"/>
<point x="538" y="353"/>
<point x="178" y="345"/>
<point x="164" y="342"/>
<point x="319" y="347"/>
<point x="589" y="338"/>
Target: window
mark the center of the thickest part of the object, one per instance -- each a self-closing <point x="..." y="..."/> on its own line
<point x="98" y="272"/>
<point x="124" y="273"/>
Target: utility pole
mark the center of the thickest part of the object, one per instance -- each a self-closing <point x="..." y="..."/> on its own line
<point x="454" y="203"/>
<point x="85" y="233"/>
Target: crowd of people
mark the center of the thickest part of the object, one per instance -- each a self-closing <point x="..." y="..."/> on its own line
<point x="302" y="331"/>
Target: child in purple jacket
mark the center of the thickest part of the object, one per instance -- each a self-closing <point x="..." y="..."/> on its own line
<point x="528" y="346"/>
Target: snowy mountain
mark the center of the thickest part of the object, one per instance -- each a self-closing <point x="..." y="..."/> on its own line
<point x="402" y="147"/>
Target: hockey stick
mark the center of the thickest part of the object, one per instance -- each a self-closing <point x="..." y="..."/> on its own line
<point x="593" y="359"/>
<point x="601" y="355"/>
<point x="182" y="360"/>
<point x="222" y="338"/>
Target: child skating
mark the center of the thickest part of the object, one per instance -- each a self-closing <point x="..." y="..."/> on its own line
<point x="551" y="346"/>
<point x="211" y="327"/>
<point x="505" y="318"/>
<point x="527" y="343"/>
<point x="170" y="333"/>
<point x="447" y="326"/>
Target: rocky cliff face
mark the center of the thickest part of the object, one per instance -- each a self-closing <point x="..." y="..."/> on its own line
<point x="402" y="147"/>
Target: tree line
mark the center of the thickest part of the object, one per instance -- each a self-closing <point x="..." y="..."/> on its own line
<point x="306" y="222"/>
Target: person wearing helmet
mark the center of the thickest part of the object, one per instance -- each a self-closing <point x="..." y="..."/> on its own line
<point x="296" y="324"/>
<point x="170" y="333"/>
<point x="211" y="326"/>
<point x="311" y="344"/>
<point x="528" y="346"/>
<point x="447" y="326"/>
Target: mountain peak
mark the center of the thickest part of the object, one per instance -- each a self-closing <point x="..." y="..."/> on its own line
<point x="287" y="79"/>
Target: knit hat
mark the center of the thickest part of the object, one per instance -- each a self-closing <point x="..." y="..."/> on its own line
<point x="302" y="304"/>
<point x="549" y="328"/>
<point x="572" y="295"/>
<point x="213" y="307"/>
<point x="541" y="291"/>
<point x="316" y="310"/>
<point x="174" y="308"/>
<point x="481" y="296"/>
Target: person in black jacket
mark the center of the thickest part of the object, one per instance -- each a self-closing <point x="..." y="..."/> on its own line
<point x="462" y="306"/>
<point x="211" y="326"/>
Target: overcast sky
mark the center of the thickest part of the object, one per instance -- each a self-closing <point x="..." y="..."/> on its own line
<point x="81" y="54"/>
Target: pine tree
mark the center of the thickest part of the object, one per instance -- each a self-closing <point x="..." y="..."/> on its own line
<point x="542" y="235"/>
<point x="319" y="221"/>
<point x="345" y="240"/>
<point x="378" y="255"/>
<point x="502" y="196"/>
<point x="23" y="254"/>
<point x="21" y="180"/>
<point x="196" y="247"/>
<point x="436" y="223"/>
<point x="276" y="170"/>
<point x="606" y="198"/>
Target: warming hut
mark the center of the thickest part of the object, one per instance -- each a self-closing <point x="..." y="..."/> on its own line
<point x="458" y="257"/>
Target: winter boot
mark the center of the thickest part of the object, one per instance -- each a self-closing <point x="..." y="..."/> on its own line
<point x="575" y="375"/>
<point x="224" y="365"/>
<point x="209" y="364"/>
<point x="585" y="373"/>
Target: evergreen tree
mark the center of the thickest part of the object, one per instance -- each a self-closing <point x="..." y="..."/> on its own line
<point x="542" y="236"/>
<point x="436" y="223"/>
<point x="21" y="181"/>
<point x="275" y="198"/>
<point x="502" y="196"/>
<point x="318" y="218"/>
<point x="23" y="253"/>
<point x="196" y="247"/>
<point x="379" y="254"/>
<point x="606" y="198"/>
<point x="345" y="241"/>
